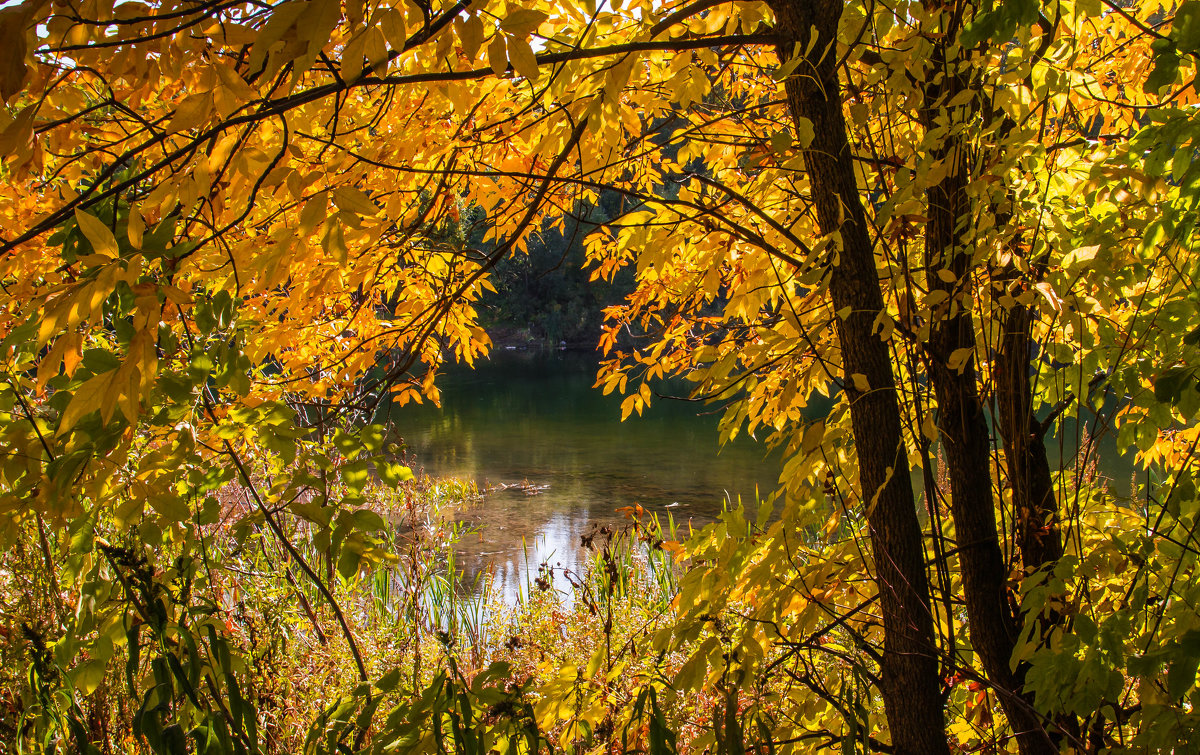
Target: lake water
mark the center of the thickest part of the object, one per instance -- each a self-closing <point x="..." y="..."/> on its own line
<point x="533" y="417"/>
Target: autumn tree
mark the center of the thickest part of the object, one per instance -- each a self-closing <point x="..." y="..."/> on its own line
<point x="225" y="242"/>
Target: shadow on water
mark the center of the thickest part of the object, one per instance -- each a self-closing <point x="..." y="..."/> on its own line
<point x="532" y="421"/>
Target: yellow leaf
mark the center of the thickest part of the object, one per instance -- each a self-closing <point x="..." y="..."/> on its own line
<point x="352" y="58"/>
<point x="143" y="351"/>
<point x="73" y="354"/>
<point x="283" y="18"/>
<point x="887" y="477"/>
<point x="314" y="24"/>
<point x="97" y="234"/>
<point x="313" y="213"/>
<point x="123" y="388"/>
<point x="804" y="132"/>
<point x="860" y="382"/>
<point x="929" y="427"/>
<point x="48" y="325"/>
<point x="232" y="80"/>
<point x="136" y="228"/>
<point x="631" y="402"/>
<point x="192" y="112"/>
<point x="813" y="436"/>
<point x="17" y="134"/>
<point x="884" y="325"/>
<point x="392" y="24"/>
<point x="50" y="363"/>
<point x="497" y="53"/>
<point x="674" y="547"/>
<point x="618" y="76"/>
<point x="14" y="20"/>
<point x="334" y="243"/>
<point x="831" y="524"/>
<point x="177" y="296"/>
<point x="88" y="398"/>
<point x="959" y="358"/>
<point x="1051" y="296"/>
<point x="376" y="51"/>
<point x="936" y="297"/>
<point x="470" y="33"/>
<point x="353" y="200"/>
<point x="523" y="21"/>
<point x="522" y="58"/>
<point x="127" y="390"/>
<point x="1080" y="258"/>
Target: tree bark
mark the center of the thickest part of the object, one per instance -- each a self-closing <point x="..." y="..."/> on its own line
<point x="962" y="425"/>
<point x="1035" y="506"/>
<point x="909" y="669"/>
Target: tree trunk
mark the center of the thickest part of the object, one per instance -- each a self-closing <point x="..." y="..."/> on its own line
<point x="909" y="669"/>
<point x="962" y="425"/>
<point x="1034" y="504"/>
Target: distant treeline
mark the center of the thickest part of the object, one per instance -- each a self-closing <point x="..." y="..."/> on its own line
<point x="546" y="296"/>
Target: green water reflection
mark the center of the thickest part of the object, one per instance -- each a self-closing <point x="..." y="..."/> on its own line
<point x="534" y="416"/>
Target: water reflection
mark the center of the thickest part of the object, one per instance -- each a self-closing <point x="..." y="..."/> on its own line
<point x="533" y="417"/>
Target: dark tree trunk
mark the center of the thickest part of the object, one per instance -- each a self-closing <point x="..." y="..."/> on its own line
<point x="1034" y="504"/>
<point x="962" y="424"/>
<point x="910" y="685"/>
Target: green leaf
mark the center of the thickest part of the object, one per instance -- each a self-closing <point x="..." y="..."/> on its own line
<point x="348" y="562"/>
<point x="1166" y="67"/>
<point x="1182" y="676"/>
<point x="1185" y="26"/>
<point x="1193" y="337"/>
<point x="88" y="676"/>
<point x="393" y="474"/>
<point x="1000" y="23"/>
<point x="367" y="521"/>
<point x="200" y="367"/>
<point x="1171" y="385"/>
<point x="100" y="360"/>
<point x="170" y="506"/>
<point x="662" y="739"/>
<point x="349" y="445"/>
<point x="355" y="475"/>
<point x="388" y="681"/>
<point x="373" y="437"/>
<point x="65" y="468"/>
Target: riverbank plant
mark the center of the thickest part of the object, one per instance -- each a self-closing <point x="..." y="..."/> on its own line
<point x="166" y="632"/>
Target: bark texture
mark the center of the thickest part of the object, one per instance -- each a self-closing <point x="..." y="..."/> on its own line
<point x="911" y="688"/>
<point x="962" y="425"/>
<point x="1035" y="506"/>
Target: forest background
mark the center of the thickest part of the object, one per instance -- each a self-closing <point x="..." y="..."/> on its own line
<point x="234" y="231"/>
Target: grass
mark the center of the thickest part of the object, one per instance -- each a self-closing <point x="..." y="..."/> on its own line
<point x="408" y="609"/>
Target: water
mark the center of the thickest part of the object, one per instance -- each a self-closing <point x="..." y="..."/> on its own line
<point x="533" y="417"/>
